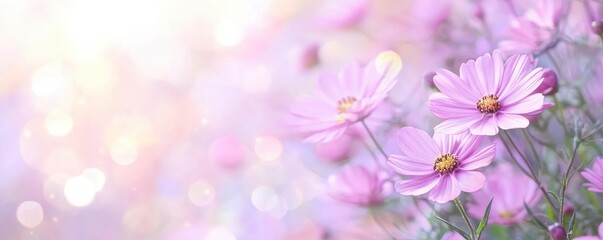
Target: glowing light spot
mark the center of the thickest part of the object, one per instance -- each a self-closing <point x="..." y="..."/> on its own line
<point x="142" y="218"/>
<point x="97" y="177"/>
<point x="79" y="191"/>
<point x="204" y="121"/>
<point x="201" y="193"/>
<point x="264" y="199"/>
<point x="219" y="234"/>
<point x="58" y="124"/>
<point x="47" y="80"/>
<point x="62" y="160"/>
<point x="228" y="34"/>
<point x="124" y="150"/>
<point x="388" y="59"/>
<point x="268" y="148"/>
<point x="30" y="214"/>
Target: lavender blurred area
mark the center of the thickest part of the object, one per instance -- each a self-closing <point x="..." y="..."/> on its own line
<point x="162" y="119"/>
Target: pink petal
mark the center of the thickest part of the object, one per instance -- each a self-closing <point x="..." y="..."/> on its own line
<point x="470" y="144"/>
<point x="523" y="87"/>
<point x="529" y="104"/>
<point x="600" y="230"/>
<point x="469" y="181"/>
<point x="418" y="185"/>
<point x="486" y="126"/>
<point x="417" y="144"/>
<point x="325" y="135"/>
<point x="479" y="159"/>
<point x="457" y="125"/>
<point x="410" y="166"/>
<point x="446" y="108"/>
<point x="328" y="85"/>
<point x="511" y="121"/>
<point x="454" y="87"/>
<point x="445" y="190"/>
<point x="350" y="79"/>
<point x="587" y="238"/>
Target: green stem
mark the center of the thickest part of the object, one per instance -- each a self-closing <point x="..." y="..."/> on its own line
<point x="459" y="205"/>
<point x="532" y="174"/>
<point x="566" y="178"/>
<point x="374" y="139"/>
<point x="532" y="148"/>
<point x="374" y="215"/>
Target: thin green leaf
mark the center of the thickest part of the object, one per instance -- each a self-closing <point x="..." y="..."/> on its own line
<point x="571" y="223"/>
<point x="455" y="228"/>
<point x="538" y="222"/>
<point x="484" y="222"/>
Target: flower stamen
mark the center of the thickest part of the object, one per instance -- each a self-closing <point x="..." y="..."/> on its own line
<point x="445" y="163"/>
<point x="488" y="104"/>
<point x="345" y="104"/>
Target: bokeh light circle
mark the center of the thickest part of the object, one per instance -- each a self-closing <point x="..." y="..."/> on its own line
<point x="30" y="214"/>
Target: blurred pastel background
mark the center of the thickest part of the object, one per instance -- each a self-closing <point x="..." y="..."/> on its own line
<point x="163" y="119"/>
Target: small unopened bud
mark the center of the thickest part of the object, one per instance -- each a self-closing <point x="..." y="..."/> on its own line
<point x="597" y="27"/>
<point x="308" y="56"/>
<point x="549" y="85"/>
<point x="557" y="232"/>
<point x="568" y="210"/>
<point x="478" y="11"/>
<point x="429" y="80"/>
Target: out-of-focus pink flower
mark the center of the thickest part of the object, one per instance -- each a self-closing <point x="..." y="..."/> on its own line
<point x="549" y="83"/>
<point x="344" y="99"/>
<point x="600" y="237"/>
<point x="336" y="150"/>
<point x="594" y="176"/>
<point x="488" y="95"/>
<point x="342" y="13"/>
<point x="357" y="185"/>
<point x="536" y="29"/>
<point x="443" y="165"/>
<point x="507" y="206"/>
<point x="452" y="236"/>
<point x="227" y="152"/>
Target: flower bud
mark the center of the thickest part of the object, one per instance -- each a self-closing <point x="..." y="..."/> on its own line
<point x="568" y="210"/>
<point x="557" y="232"/>
<point x="597" y="27"/>
<point x="478" y="11"/>
<point x="549" y="85"/>
<point x="429" y="80"/>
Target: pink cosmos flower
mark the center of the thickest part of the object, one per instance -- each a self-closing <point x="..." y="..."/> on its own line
<point x="452" y="236"/>
<point x="443" y="166"/>
<point x="507" y="206"/>
<point x="600" y="237"/>
<point x="344" y="99"/>
<point x="489" y="94"/>
<point x="357" y="185"/>
<point x="594" y="176"/>
<point x="536" y="29"/>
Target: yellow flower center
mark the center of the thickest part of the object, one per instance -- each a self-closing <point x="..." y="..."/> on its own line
<point x="345" y="104"/>
<point x="445" y="163"/>
<point x="488" y="104"/>
<point x="506" y="215"/>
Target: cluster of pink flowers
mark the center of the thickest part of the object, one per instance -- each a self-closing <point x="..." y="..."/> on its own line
<point x="487" y="109"/>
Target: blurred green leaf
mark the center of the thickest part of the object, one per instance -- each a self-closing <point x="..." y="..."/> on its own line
<point x="455" y="228"/>
<point x="484" y="222"/>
